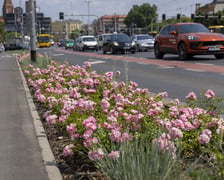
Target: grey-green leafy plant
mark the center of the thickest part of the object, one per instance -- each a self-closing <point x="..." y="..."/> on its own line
<point x="141" y="160"/>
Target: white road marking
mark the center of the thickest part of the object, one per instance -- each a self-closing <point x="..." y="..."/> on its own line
<point x="6" y="56"/>
<point x="97" y="62"/>
<point x="195" y="70"/>
<point x="60" y="54"/>
<point x="204" y="64"/>
<point x="164" y="67"/>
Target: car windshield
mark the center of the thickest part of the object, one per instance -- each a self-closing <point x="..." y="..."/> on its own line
<point x="143" y="37"/>
<point x="121" y="37"/>
<point x="43" y="38"/>
<point x="89" y="39"/>
<point x="192" y="28"/>
<point x="69" y="41"/>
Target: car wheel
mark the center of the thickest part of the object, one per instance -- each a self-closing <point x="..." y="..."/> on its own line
<point x="219" y="56"/>
<point x="157" y="52"/>
<point x="104" y="51"/>
<point x="137" y="48"/>
<point x="182" y="52"/>
<point x="113" y="50"/>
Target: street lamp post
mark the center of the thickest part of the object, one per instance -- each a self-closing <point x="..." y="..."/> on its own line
<point x="33" y="31"/>
<point x="153" y="19"/>
<point x="88" y="1"/>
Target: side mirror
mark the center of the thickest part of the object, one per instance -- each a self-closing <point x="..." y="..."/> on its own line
<point x="173" y="32"/>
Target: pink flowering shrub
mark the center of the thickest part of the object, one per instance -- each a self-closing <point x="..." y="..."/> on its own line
<point x="94" y="109"/>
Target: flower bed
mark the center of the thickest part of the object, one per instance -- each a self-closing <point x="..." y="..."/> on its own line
<point x="99" y="114"/>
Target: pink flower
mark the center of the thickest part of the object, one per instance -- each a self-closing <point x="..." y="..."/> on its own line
<point x="165" y="144"/>
<point x="51" y="119"/>
<point x="207" y="132"/>
<point x="67" y="151"/>
<point x="163" y="94"/>
<point x="96" y="155"/>
<point x="209" y="93"/>
<point x="203" y="139"/>
<point x="191" y="96"/>
<point x="175" y="133"/>
<point x="105" y="105"/>
<point x="114" y="155"/>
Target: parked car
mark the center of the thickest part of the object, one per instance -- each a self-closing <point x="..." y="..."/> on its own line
<point x="118" y="42"/>
<point x="87" y="43"/>
<point x="14" y="44"/>
<point x="187" y="40"/>
<point x="102" y="38"/>
<point x="69" y="43"/>
<point x="143" y="42"/>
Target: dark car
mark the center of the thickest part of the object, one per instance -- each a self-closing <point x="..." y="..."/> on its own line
<point x="118" y="42"/>
<point x="61" y="43"/>
<point x="187" y="40"/>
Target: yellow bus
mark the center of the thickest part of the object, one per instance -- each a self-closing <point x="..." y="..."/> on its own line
<point x="217" y="29"/>
<point x="44" y="40"/>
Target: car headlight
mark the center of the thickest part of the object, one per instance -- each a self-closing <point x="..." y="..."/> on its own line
<point x="133" y="43"/>
<point x="190" y="37"/>
<point x="115" y="43"/>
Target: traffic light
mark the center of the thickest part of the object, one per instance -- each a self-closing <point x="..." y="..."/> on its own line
<point x="61" y="15"/>
<point x="192" y="16"/>
<point x="178" y="16"/>
<point x="206" y="16"/>
<point x="19" y="15"/>
<point x="164" y="17"/>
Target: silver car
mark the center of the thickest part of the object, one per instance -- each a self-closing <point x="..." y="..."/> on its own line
<point x="143" y="42"/>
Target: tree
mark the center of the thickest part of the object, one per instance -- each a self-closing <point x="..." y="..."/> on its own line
<point x="2" y="32"/>
<point x="141" y="16"/>
<point x="74" y="34"/>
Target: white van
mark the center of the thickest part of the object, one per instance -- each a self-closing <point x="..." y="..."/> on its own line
<point x="87" y="43"/>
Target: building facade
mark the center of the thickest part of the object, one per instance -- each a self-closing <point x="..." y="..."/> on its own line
<point x="109" y="24"/>
<point x="211" y="8"/>
<point x="63" y="29"/>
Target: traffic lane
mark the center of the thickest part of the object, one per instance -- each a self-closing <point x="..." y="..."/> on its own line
<point x="169" y="57"/>
<point x="207" y="59"/>
<point x="181" y="64"/>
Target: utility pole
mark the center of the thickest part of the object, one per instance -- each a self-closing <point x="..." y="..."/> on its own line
<point x="88" y="1"/>
<point x="33" y="32"/>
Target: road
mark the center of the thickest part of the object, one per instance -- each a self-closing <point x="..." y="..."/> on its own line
<point x="178" y="78"/>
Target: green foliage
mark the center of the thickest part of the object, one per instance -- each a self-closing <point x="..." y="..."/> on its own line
<point x="141" y="160"/>
<point x="141" y="15"/>
<point x="75" y="33"/>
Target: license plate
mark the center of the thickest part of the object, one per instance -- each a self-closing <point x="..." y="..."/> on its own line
<point x="127" y="48"/>
<point x="214" y="49"/>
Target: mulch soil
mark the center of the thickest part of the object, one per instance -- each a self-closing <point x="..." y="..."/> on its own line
<point x="77" y="167"/>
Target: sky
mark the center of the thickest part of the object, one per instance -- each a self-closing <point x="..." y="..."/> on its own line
<point x="98" y="8"/>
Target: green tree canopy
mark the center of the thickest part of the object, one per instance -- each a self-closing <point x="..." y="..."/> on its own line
<point x="141" y="15"/>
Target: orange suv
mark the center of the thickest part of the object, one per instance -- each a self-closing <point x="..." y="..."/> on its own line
<point x="187" y="40"/>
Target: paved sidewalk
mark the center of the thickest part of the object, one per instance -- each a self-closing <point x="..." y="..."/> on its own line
<point x="25" y="153"/>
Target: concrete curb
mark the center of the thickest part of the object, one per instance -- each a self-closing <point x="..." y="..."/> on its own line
<point x="47" y="154"/>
